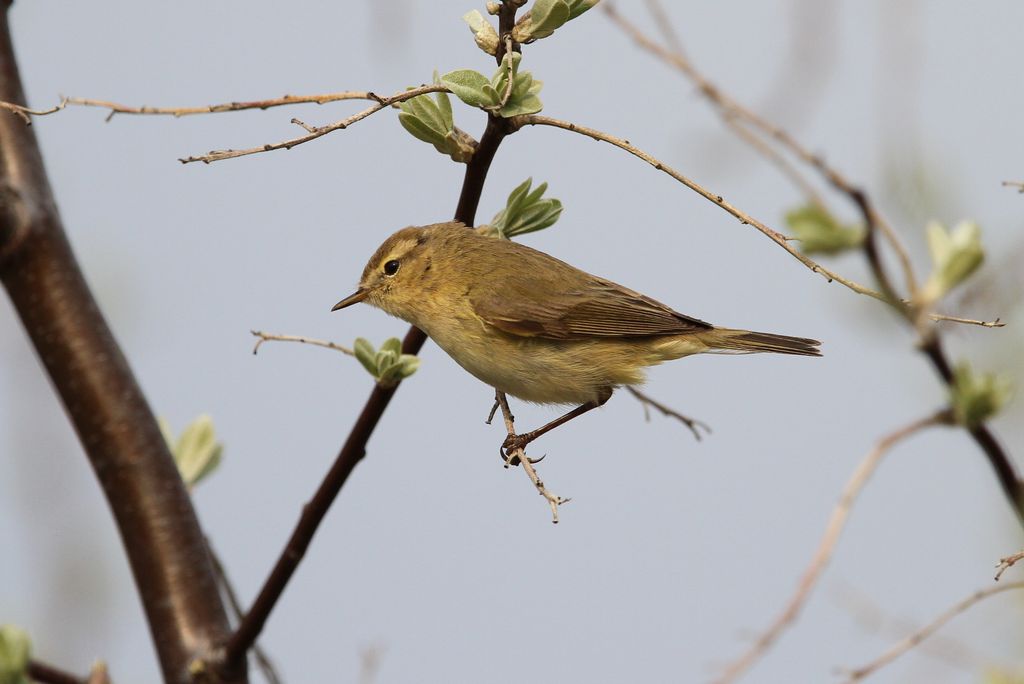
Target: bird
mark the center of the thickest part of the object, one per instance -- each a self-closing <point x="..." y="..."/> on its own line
<point x="533" y="326"/>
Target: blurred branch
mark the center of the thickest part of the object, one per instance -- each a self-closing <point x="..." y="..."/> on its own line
<point x="917" y="637"/>
<point x="119" y="433"/>
<point x="836" y="524"/>
<point x="47" y="674"/>
<point x="1019" y="185"/>
<point x="517" y="455"/>
<point x="354" y="447"/>
<point x="314" y="132"/>
<point x="731" y="110"/>
<point x="262" y="659"/>
<point x="646" y="400"/>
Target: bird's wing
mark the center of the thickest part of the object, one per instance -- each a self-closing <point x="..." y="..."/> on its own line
<point x="599" y="308"/>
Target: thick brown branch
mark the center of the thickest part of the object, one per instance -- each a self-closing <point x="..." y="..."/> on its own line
<point x="154" y="514"/>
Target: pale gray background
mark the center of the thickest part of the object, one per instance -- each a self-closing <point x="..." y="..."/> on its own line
<point x="434" y="556"/>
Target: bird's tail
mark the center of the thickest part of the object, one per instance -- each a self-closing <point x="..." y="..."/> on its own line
<point x="728" y="340"/>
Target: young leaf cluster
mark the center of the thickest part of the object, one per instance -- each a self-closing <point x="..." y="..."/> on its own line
<point x="524" y="212"/>
<point x="388" y="365"/>
<point x="477" y="90"/>
<point x="430" y="120"/>
<point x="977" y="397"/>
<point x="820" y="233"/>
<point x="955" y="255"/>
<point x="196" y="451"/>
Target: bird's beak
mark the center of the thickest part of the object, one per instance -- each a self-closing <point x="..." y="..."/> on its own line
<point x="354" y="298"/>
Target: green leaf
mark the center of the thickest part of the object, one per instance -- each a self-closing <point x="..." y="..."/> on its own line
<point x="578" y="7"/>
<point x="524" y="212"/>
<point x="468" y="86"/>
<point x="392" y="345"/>
<point x="197" y="452"/>
<point x="366" y="355"/>
<point x="545" y="17"/>
<point x="419" y="130"/>
<point x="977" y="397"/>
<point x="819" y="232"/>
<point x="15" y="653"/>
<point x="955" y="256"/>
<point x="444" y="105"/>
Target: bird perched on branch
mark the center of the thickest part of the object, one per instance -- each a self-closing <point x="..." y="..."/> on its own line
<point x="532" y="326"/>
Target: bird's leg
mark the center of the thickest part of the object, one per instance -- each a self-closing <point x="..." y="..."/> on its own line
<point x="514" y="441"/>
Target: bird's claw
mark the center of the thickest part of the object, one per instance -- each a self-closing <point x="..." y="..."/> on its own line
<point x="511" y="445"/>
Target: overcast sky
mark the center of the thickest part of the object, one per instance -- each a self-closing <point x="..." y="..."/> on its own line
<point x="672" y="552"/>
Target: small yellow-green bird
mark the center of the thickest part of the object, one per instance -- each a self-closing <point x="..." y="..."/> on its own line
<point x="532" y="326"/>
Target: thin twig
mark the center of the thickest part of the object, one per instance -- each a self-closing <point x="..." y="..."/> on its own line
<point x="519" y="454"/>
<point x="176" y="112"/>
<point x="997" y="323"/>
<point x="692" y="423"/>
<point x="836" y="523"/>
<point x="1018" y="185"/>
<point x="1007" y="563"/>
<point x="268" y="337"/>
<point x="318" y="131"/>
<point x="744" y="218"/>
<point x="26" y="114"/>
<point x="917" y="637"/>
<point x="730" y="108"/>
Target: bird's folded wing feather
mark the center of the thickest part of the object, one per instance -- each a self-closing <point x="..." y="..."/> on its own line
<point x="599" y="308"/>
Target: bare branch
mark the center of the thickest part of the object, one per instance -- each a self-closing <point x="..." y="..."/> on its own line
<point x="315" y="132"/>
<point x="836" y="523"/>
<point x="1007" y="563"/>
<point x="917" y="637"/>
<point x="744" y="218"/>
<point x="177" y="112"/>
<point x="1019" y="185"/>
<point x="26" y="114"/>
<point x="518" y="454"/>
<point x="268" y="337"/>
<point x="646" y="400"/>
<point x="998" y="323"/>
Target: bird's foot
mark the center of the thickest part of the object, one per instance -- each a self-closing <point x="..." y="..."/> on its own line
<point x="514" y="446"/>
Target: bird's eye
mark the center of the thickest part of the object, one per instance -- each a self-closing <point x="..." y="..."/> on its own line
<point x="391" y="267"/>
